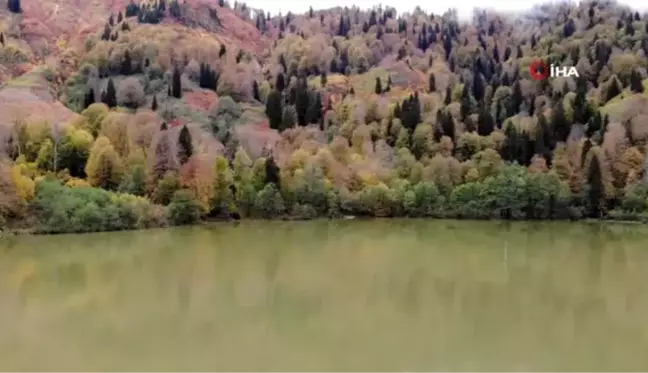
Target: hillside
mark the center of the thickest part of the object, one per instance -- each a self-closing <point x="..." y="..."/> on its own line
<point x="204" y="109"/>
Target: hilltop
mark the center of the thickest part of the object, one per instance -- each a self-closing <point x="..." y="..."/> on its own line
<point x="218" y="110"/>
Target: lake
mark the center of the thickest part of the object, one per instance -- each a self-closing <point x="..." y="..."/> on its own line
<point x="395" y="295"/>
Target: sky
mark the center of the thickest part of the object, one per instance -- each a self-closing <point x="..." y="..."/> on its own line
<point x="464" y="7"/>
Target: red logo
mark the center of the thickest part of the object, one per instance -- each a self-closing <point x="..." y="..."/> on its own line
<point x="539" y="70"/>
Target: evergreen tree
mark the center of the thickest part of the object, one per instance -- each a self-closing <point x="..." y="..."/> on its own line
<point x="448" y="96"/>
<point x="272" y="172"/>
<point x="314" y="113"/>
<point x="636" y="85"/>
<point x="110" y="98"/>
<point x="120" y="17"/>
<point x="280" y="84"/>
<point x="378" y="88"/>
<point x="274" y="109"/>
<point x="559" y="123"/>
<point x="14" y="6"/>
<point x="431" y="83"/>
<point x="302" y="102"/>
<point x="222" y="51"/>
<point x="106" y="32"/>
<point x="323" y="79"/>
<point x="127" y="64"/>
<point x="185" y="145"/>
<point x="89" y="98"/>
<point x="596" y="189"/>
<point x="466" y="102"/>
<point x="176" y="88"/>
<point x="2" y="41"/>
<point x="255" y="91"/>
<point x="154" y="105"/>
<point x="486" y="124"/>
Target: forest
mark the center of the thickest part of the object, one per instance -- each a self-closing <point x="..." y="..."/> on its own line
<point x="172" y="119"/>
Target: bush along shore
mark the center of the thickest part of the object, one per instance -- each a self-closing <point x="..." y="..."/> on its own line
<point x="257" y="191"/>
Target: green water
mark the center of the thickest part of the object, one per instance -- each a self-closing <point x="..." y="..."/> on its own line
<point x="357" y="295"/>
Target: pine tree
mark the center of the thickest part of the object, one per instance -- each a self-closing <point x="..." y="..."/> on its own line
<point x="89" y="98"/>
<point x="272" y="172"/>
<point x="176" y="90"/>
<point x="14" y="6"/>
<point x="302" y="102"/>
<point x="111" y="20"/>
<point x="323" y="79"/>
<point x="486" y="124"/>
<point x="274" y="109"/>
<point x="154" y="105"/>
<point x="120" y="17"/>
<point x="127" y="64"/>
<point x="595" y="190"/>
<point x="559" y="122"/>
<point x="106" y="32"/>
<point x="185" y="146"/>
<point x="378" y="88"/>
<point x="280" y="84"/>
<point x="636" y="85"/>
<point x="431" y="83"/>
<point x="255" y="91"/>
<point x="2" y="41"/>
<point x="110" y="99"/>
<point x="448" y="96"/>
<point x="222" y="51"/>
<point x="466" y="102"/>
<point x="314" y="112"/>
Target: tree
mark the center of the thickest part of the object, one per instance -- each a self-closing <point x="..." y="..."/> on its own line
<point x="185" y="146"/>
<point x="110" y="97"/>
<point x="280" y="84"/>
<point x="431" y="83"/>
<point x="636" y="85"/>
<point x="89" y="98"/>
<point x="176" y="85"/>
<point x="14" y="6"/>
<point x="104" y="167"/>
<point x="274" y="109"/>
<point x="378" y="88"/>
<point x="130" y="93"/>
<point x="314" y="112"/>
<point x="486" y="124"/>
<point x="596" y="189"/>
<point x="154" y="105"/>
<point x="162" y="160"/>
<point x="127" y="64"/>
<point x="302" y="102"/>
<point x="255" y="91"/>
<point x="272" y="172"/>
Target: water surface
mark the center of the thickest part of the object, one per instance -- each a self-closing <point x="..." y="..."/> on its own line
<point x="397" y="295"/>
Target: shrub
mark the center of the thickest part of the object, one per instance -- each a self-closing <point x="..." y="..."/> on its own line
<point x="183" y="209"/>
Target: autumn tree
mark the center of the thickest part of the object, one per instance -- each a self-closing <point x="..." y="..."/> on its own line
<point x="104" y="167"/>
<point x="162" y="159"/>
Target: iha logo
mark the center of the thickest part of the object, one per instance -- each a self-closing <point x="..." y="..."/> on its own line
<point x="540" y="71"/>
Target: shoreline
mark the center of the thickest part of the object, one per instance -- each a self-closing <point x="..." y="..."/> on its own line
<point x="34" y="232"/>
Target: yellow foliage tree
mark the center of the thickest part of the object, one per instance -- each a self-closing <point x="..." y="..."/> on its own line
<point x="104" y="167"/>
